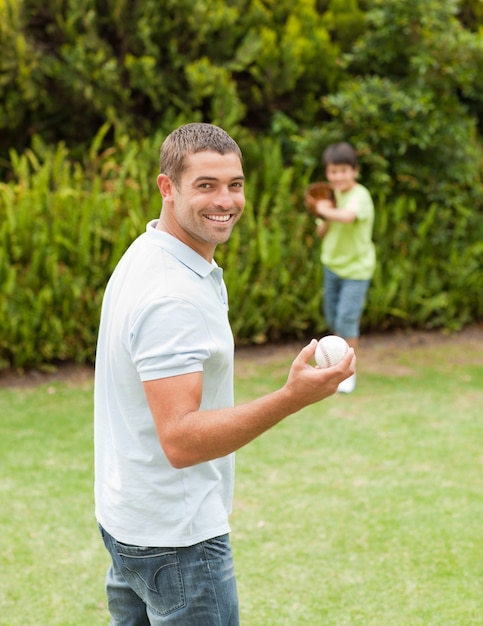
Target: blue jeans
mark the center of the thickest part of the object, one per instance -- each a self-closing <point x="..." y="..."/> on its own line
<point x="192" y="586"/>
<point x="344" y="301"/>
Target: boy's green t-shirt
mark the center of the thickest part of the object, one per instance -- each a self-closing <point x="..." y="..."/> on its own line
<point x="348" y="249"/>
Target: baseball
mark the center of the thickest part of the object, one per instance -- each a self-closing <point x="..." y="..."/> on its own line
<point x="330" y="350"/>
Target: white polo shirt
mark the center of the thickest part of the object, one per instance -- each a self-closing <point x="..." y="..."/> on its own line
<point x="164" y="313"/>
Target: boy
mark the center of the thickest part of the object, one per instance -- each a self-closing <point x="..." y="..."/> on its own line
<point x="348" y="253"/>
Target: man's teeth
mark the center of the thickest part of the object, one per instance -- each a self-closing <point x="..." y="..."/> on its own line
<point x="219" y="218"/>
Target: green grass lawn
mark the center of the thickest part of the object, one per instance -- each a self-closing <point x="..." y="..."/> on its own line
<point x="361" y="510"/>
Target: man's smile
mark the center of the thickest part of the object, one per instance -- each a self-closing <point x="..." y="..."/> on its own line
<point x="220" y="218"/>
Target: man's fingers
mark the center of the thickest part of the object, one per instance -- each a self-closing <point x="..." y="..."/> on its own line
<point x="306" y="354"/>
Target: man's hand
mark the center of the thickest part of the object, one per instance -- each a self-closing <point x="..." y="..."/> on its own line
<point x="307" y="384"/>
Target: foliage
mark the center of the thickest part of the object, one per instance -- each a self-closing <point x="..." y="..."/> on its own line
<point x="412" y="105"/>
<point x="470" y="13"/>
<point x="429" y="272"/>
<point x="90" y="88"/>
<point x="271" y="262"/>
<point x="71" y="66"/>
<point x="399" y="79"/>
<point x="64" y="225"/>
<point x="61" y="232"/>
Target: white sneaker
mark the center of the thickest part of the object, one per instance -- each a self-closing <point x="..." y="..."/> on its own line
<point x="348" y="385"/>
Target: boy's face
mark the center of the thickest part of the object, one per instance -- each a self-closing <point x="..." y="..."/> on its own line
<point x="342" y="176"/>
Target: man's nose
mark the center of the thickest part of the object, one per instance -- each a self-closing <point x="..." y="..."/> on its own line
<point x="224" y="199"/>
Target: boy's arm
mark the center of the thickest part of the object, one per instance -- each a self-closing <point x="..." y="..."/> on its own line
<point x="328" y="212"/>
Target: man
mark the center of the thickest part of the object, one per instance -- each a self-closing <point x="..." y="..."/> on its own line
<point x="165" y="424"/>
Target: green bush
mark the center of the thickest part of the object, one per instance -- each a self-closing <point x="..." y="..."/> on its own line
<point x="429" y="273"/>
<point x="64" y="225"/>
<point x="89" y="89"/>
<point x="62" y="229"/>
<point x="67" y="67"/>
<point x="399" y="79"/>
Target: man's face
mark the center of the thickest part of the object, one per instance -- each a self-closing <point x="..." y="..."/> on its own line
<point x="342" y="177"/>
<point x="208" y="201"/>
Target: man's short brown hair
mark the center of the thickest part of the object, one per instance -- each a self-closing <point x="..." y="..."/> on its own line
<point x="190" y="139"/>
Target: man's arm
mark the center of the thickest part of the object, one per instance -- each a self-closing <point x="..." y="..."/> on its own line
<point x="190" y="436"/>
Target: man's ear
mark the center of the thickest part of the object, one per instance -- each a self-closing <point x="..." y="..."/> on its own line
<point x="165" y="186"/>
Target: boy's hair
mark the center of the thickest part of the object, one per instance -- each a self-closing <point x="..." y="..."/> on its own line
<point x="190" y="139"/>
<point x="340" y="154"/>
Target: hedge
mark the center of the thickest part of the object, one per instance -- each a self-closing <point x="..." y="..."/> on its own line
<point x="64" y="225"/>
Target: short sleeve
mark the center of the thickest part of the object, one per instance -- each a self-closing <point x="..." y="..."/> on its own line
<point x="169" y="337"/>
<point x="361" y="203"/>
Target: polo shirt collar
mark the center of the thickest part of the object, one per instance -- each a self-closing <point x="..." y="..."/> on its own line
<point x="181" y="251"/>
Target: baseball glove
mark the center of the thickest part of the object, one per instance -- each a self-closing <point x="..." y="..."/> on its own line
<point x="318" y="191"/>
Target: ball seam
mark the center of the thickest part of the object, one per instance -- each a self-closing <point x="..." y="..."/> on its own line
<point x="326" y="355"/>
